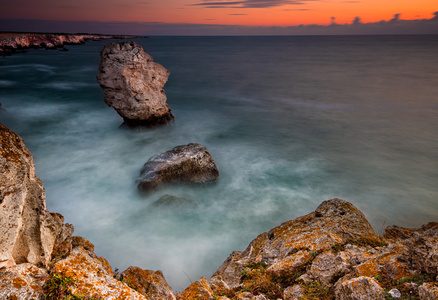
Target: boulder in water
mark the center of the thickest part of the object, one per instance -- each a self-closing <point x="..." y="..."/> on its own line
<point x="133" y="84"/>
<point x="190" y="163"/>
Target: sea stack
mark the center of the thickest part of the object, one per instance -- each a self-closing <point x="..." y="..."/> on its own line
<point x="133" y="84"/>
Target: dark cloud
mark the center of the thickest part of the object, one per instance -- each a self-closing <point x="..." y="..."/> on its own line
<point x="396" y="25"/>
<point x="296" y="9"/>
<point x="237" y="14"/>
<point x="249" y="3"/>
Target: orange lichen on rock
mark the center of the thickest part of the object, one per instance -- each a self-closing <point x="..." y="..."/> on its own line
<point x="91" y="277"/>
<point x="147" y="282"/>
<point x="198" y="290"/>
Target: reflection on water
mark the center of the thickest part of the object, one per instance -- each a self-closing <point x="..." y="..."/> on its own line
<point x="290" y="122"/>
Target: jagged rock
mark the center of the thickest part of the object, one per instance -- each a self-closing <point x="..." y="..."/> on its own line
<point x="360" y="288"/>
<point x="334" y="222"/>
<point x="24" y="281"/>
<point x="149" y="283"/>
<point x="198" y="290"/>
<point x="27" y="230"/>
<point x="328" y="264"/>
<point x="390" y="261"/>
<point x="133" y="84"/>
<point x="190" y="163"/>
<point x="294" y="292"/>
<point x="428" y="291"/>
<point x="91" y="277"/>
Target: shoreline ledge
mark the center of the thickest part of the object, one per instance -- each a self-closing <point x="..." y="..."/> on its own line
<point x="13" y="42"/>
<point x="331" y="253"/>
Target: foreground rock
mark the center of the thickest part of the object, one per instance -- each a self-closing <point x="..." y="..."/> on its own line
<point x="133" y="84"/>
<point x="27" y="230"/>
<point x="12" y="42"/>
<point x="40" y="259"/>
<point x="190" y="163"/>
<point x="333" y="253"/>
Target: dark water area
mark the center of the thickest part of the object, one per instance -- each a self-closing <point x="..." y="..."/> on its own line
<point x="290" y="122"/>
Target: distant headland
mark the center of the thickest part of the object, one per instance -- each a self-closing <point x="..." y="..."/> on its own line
<point x="13" y="42"/>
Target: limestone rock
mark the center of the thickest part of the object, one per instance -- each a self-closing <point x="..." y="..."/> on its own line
<point x="24" y="281"/>
<point x="133" y="84"/>
<point x="428" y="291"/>
<point x="92" y="278"/>
<point x="198" y="290"/>
<point x="149" y="283"/>
<point x="294" y="292"/>
<point x="360" y="288"/>
<point x="28" y="231"/>
<point x="334" y="222"/>
<point x="190" y="163"/>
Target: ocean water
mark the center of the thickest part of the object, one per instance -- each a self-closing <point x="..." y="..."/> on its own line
<point x="290" y="122"/>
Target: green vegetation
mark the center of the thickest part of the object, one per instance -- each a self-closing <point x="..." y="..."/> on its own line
<point x="58" y="287"/>
<point x="406" y="290"/>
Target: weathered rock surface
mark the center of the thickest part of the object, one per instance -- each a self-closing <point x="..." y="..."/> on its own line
<point x="92" y="278"/>
<point x="133" y="84"/>
<point x="198" y="290"/>
<point x="149" y="283"/>
<point x="28" y="231"/>
<point x="11" y="42"/>
<point x="24" y="281"/>
<point x="190" y="163"/>
<point x="363" y="288"/>
<point x="332" y="253"/>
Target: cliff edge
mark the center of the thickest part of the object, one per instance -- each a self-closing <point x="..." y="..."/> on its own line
<point x="12" y="42"/>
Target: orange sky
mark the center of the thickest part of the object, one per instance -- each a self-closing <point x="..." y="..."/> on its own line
<point x="224" y="12"/>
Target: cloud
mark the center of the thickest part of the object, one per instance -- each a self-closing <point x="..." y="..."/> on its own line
<point x="237" y="14"/>
<point x="249" y="3"/>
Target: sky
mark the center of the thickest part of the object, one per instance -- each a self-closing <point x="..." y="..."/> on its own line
<point x="217" y="17"/>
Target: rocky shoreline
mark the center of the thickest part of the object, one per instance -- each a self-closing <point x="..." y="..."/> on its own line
<point x="14" y="42"/>
<point x="331" y="253"/>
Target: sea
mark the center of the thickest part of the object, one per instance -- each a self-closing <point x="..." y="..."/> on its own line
<point x="290" y="121"/>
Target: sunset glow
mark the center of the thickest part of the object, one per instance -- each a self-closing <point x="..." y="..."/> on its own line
<point x="246" y="12"/>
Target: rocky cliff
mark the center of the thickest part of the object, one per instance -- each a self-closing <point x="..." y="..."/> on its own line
<point x="331" y="253"/>
<point x="11" y="42"/>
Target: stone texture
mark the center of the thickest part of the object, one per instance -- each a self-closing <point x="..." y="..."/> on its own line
<point x="190" y="163"/>
<point x="428" y="291"/>
<point x="198" y="290"/>
<point x="294" y="292"/>
<point x="149" y="283"/>
<point x="334" y="222"/>
<point x="27" y="230"/>
<point x="92" y="278"/>
<point x="360" y="288"/>
<point x="133" y="84"/>
<point x="22" y="281"/>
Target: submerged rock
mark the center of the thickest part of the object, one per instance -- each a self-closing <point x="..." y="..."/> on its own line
<point x="133" y="84"/>
<point x="174" y="202"/>
<point x="190" y="163"/>
<point x="28" y="231"/>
